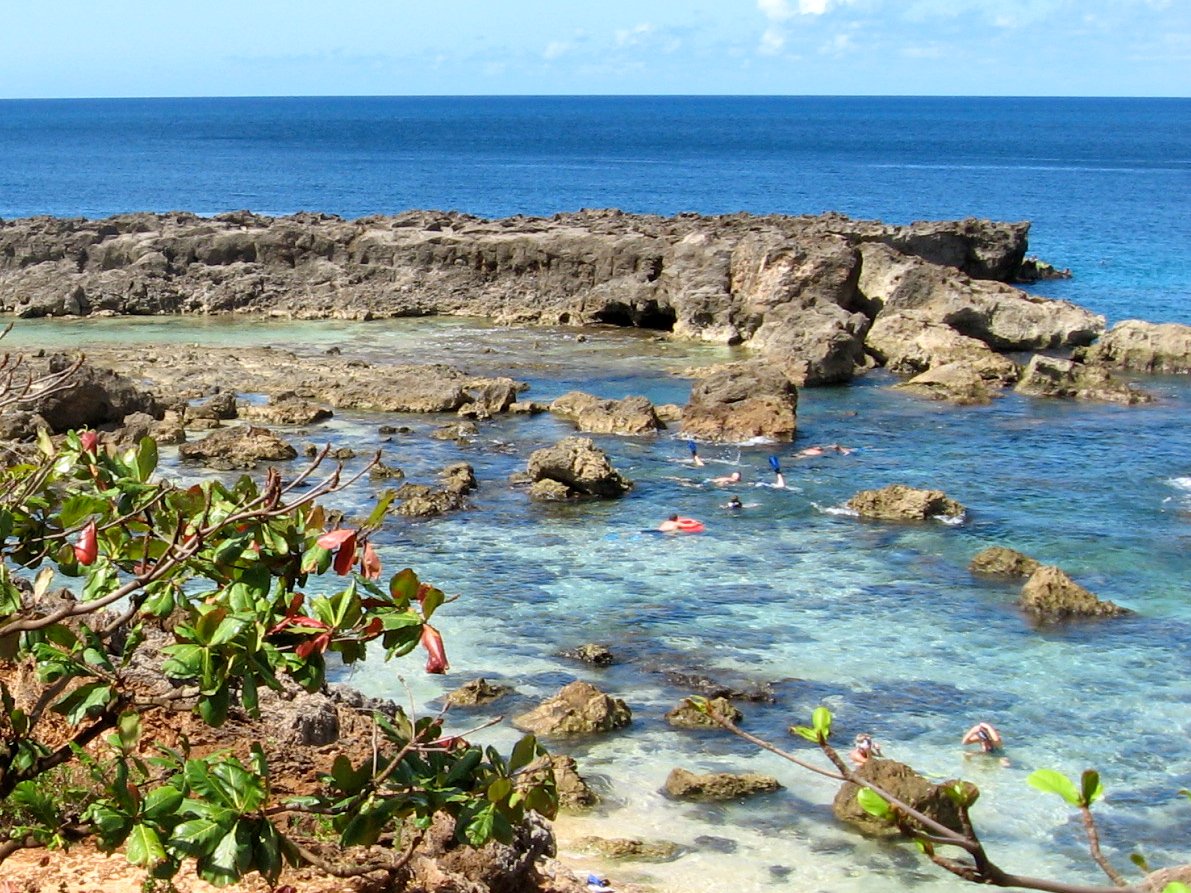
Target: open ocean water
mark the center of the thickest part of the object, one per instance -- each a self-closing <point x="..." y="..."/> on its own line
<point x="882" y="623"/>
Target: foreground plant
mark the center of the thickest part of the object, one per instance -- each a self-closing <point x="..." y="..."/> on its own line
<point x="935" y="839"/>
<point x="253" y="589"/>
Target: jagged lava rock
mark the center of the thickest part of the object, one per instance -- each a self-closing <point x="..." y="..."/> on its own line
<point x="687" y="716"/>
<point x="1066" y="379"/>
<point x="1050" y="595"/>
<point x="476" y="693"/>
<point x="903" y="783"/>
<point x="239" y="447"/>
<point x="898" y="502"/>
<point x="90" y="397"/>
<point x="581" y="466"/>
<point x="1160" y="348"/>
<point x="578" y="708"/>
<point x="631" y="416"/>
<point x="998" y="561"/>
<point x="742" y="401"/>
<point x="909" y="342"/>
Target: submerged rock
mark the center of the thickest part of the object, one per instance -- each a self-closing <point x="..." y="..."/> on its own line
<point x="579" y="465"/>
<point x="742" y="401"/>
<point x="477" y="693"/>
<point x="955" y="383"/>
<point x="682" y="784"/>
<point x="897" y="502"/>
<point x="1050" y="595"/>
<point x="577" y="709"/>
<point x="687" y="716"/>
<point x="905" y="784"/>
<point x="999" y="561"/>
<point x="630" y="849"/>
<point x="592" y="653"/>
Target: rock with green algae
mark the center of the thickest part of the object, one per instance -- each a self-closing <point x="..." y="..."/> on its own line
<point x="682" y="784"/>
<point x="902" y="782"/>
<point x="1050" y="595"/>
<point x="998" y="561"/>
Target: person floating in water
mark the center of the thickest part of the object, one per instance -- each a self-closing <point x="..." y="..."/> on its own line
<point x="679" y="524"/>
<point x="986" y="735"/>
<point x="779" y="480"/>
<point x="865" y="747"/>
<point x="725" y="480"/>
<point x="734" y="503"/>
<point x="812" y="452"/>
<point x="694" y="448"/>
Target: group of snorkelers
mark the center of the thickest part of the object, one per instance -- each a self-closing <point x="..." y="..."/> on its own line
<point x="734" y="503"/>
<point x="983" y="733"/>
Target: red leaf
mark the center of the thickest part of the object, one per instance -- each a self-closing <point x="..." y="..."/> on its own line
<point x="319" y="643"/>
<point x="436" y="654"/>
<point x="335" y="538"/>
<point x="298" y="620"/>
<point x="371" y="563"/>
<point x="346" y="556"/>
<point x="89" y="440"/>
<point x="87" y="548"/>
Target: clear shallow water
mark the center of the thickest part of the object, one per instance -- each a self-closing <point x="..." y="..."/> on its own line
<point x="881" y="622"/>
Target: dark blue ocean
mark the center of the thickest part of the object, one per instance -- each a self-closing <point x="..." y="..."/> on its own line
<point x="883" y="623"/>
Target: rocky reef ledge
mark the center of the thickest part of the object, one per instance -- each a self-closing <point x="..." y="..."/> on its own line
<point x="803" y="292"/>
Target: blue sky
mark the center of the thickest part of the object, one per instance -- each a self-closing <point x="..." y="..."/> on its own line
<point x="302" y="47"/>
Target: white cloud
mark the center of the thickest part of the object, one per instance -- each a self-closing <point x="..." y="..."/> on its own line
<point x="775" y="10"/>
<point x="773" y="41"/>
<point x="781" y="10"/>
<point x="556" y="48"/>
<point x="627" y="37"/>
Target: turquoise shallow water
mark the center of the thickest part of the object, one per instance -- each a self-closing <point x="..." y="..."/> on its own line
<point x="881" y="622"/>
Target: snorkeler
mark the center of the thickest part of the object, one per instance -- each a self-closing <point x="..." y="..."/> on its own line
<point x="724" y="480"/>
<point x="779" y="480"/>
<point x="986" y="735"/>
<point x="865" y="747"/>
<point x="694" y="448"/>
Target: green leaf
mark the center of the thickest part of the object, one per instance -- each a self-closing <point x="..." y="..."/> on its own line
<point x="146" y="458"/>
<point x="431" y="600"/>
<point x="382" y="506"/>
<point x="478" y="831"/>
<point x="523" y="753"/>
<point x="161" y="803"/>
<point x="129" y="729"/>
<point x="1052" y="782"/>
<point x="88" y="700"/>
<point x="499" y="790"/>
<point x="403" y="587"/>
<point x="1090" y="787"/>
<point x="113" y="825"/>
<point x="804" y="732"/>
<point x="874" y="804"/>
<point x="143" y="846"/>
<point x="197" y="837"/>
<point x="1140" y="861"/>
<point x="821" y="720"/>
<point x="1176" y="887"/>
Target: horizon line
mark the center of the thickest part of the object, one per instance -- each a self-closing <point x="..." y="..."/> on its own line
<point x="596" y="96"/>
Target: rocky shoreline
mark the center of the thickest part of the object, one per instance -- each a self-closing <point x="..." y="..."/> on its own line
<point x="818" y="299"/>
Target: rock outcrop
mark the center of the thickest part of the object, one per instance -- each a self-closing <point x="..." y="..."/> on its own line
<point x="1003" y="317"/>
<point x="787" y="286"/>
<point x="1068" y="380"/>
<point x="629" y="849"/>
<point x="285" y="409"/>
<point x="91" y="397"/>
<point x="897" y="502"/>
<point x="239" y="447"/>
<point x="1050" y="595"/>
<point x="574" y="793"/>
<point x="577" y="709"/>
<point x="998" y="561"/>
<point x="422" y="501"/>
<point x="902" y="782"/>
<point x="1160" y="348"/>
<point x="911" y="341"/>
<point x="956" y="383"/>
<point x="577" y="464"/>
<point x="632" y="415"/>
<point x="682" y="784"/>
<point x="742" y="401"/>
